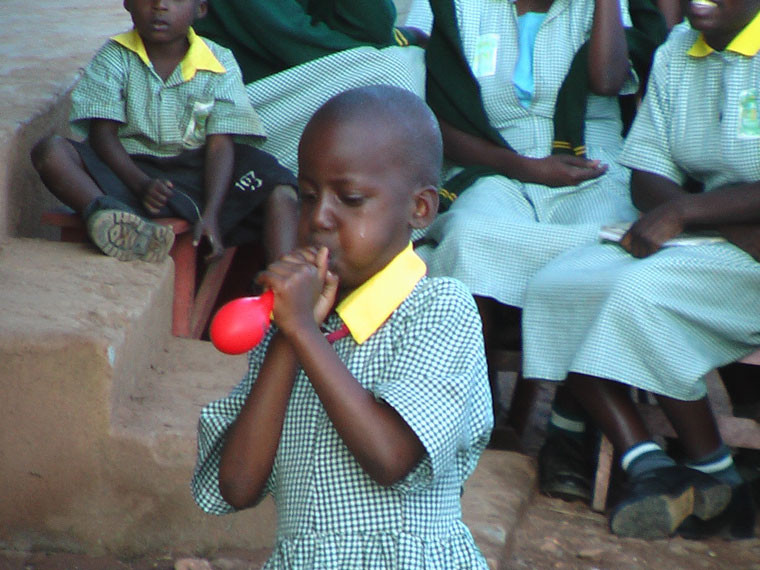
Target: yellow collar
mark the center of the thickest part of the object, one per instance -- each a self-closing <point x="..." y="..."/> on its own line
<point x="198" y="57"/>
<point x="746" y="42"/>
<point x="368" y="306"/>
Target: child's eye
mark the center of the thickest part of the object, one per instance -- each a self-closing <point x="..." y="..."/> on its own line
<point x="353" y="200"/>
<point x="307" y="196"/>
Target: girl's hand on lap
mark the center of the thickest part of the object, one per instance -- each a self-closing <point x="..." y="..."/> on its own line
<point x="557" y="170"/>
<point x="653" y="229"/>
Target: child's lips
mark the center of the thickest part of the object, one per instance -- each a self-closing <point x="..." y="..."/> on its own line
<point x="702" y="7"/>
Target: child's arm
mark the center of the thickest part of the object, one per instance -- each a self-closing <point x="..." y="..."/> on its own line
<point x="553" y="170"/>
<point x="380" y="440"/>
<point x="104" y="139"/>
<point x="608" y="51"/>
<point x="251" y="442"/>
<point x="378" y="437"/>
<point x="219" y="159"/>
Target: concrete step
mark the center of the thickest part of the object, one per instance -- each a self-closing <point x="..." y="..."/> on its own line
<point x="77" y="330"/>
<point x="151" y="455"/>
<point x="41" y="54"/>
<point x="97" y="418"/>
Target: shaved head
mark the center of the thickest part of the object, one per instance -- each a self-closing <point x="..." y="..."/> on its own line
<point x="396" y="113"/>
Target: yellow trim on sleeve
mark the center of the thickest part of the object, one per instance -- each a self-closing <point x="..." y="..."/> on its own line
<point x="746" y="42"/>
<point x="198" y="57"/>
<point x="368" y="306"/>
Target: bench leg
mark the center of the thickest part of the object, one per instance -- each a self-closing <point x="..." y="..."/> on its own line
<point x="184" y="255"/>
<point x="212" y="282"/>
<point x="603" y="474"/>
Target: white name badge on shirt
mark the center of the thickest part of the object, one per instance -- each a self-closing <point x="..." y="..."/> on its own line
<point x="486" y="49"/>
<point x="195" y="133"/>
<point x="749" y="114"/>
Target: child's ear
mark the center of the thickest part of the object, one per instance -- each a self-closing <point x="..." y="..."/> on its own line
<point x="425" y="207"/>
<point x="201" y="10"/>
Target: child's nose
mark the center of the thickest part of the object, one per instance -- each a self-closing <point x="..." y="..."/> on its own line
<point x="159" y="4"/>
<point x="323" y="216"/>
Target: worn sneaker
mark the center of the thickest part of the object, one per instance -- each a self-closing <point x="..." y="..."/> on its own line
<point x="658" y="502"/>
<point x="735" y="523"/>
<point x="127" y="236"/>
<point x="565" y="468"/>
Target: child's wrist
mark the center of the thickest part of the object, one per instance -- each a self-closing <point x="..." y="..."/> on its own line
<point x="298" y="326"/>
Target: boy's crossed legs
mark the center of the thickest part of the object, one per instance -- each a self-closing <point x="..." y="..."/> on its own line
<point x="111" y="225"/>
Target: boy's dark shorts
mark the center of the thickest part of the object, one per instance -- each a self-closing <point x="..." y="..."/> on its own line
<point x="255" y="174"/>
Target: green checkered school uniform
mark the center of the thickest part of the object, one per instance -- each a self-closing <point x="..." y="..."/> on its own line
<point x="662" y="322"/>
<point x="296" y="54"/>
<point x="331" y="514"/>
<point x="286" y="100"/>
<point x="500" y="231"/>
<point x="164" y="118"/>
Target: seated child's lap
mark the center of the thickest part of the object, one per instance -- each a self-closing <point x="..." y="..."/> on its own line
<point x="186" y="172"/>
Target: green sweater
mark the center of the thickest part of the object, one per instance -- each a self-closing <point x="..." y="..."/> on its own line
<point x="268" y="36"/>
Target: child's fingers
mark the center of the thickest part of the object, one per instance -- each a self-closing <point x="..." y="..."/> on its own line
<point x="321" y="262"/>
<point x="308" y="254"/>
<point x="197" y="233"/>
<point x="330" y="289"/>
<point x="326" y="298"/>
<point x="151" y="205"/>
<point x="295" y="256"/>
<point x="283" y="270"/>
<point x="302" y="255"/>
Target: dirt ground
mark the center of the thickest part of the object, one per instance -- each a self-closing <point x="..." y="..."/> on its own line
<point x="552" y="534"/>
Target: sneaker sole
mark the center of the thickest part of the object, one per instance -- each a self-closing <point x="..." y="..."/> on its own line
<point x="711" y="501"/>
<point x="126" y="236"/>
<point x="656" y="516"/>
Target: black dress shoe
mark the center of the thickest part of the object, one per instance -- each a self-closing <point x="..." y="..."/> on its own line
<point x="736" y="522"/>
<point x="565" y="468"/>
<point x="657" y="502"/>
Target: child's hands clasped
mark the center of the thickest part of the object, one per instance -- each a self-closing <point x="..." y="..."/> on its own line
<point x="155" y="194"/>
<point x="304" y="288"/>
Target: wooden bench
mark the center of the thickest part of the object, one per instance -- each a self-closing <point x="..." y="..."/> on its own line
<point x="194" y="295"/>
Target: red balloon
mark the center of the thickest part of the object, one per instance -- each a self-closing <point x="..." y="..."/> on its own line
<point x="241" y="324"/>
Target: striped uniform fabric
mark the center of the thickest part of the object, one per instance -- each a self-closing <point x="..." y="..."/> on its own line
<point x="500" y="231"/>
<point x="286" y="100"/>
<point x="331" y="514"/>
<point x="662" y="322"/>
<point x="117" y="85"/>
